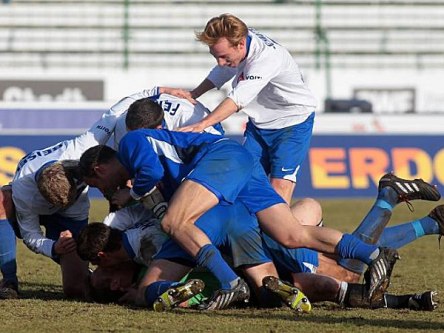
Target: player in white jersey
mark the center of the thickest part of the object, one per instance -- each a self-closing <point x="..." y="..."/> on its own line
<point x="37" y="203"/>
<point x="178" y="112"/>
<point x="269" y="87"/>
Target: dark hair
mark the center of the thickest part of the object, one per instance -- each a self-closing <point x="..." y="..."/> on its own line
<point x="97" y="237"/>
<point x="103" y="295"/>
<point x="94" y="156"/>
<point x="144" y="113"/>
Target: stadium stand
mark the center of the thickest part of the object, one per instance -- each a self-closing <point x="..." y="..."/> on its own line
<point x="130" y="34"/>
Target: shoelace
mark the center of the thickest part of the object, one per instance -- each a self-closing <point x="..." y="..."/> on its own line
<point x="403" y="198"/>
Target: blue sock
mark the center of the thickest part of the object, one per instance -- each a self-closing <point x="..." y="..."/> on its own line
<point x="352" y="247"/>
<point x="8" y="264"/>
<point x="403" y="234"/>
<point x="154" y="290"/>
<point x="372" y="225"/>
<point x="210" y="258"/>
<point x="388" y="195"/>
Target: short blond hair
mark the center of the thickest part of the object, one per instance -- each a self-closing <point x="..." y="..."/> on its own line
<point x="57" y="185"/>
<point x="225" y="25"/>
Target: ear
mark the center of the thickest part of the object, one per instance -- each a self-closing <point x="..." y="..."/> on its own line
<point x="102" y="255"/>
<point x="242" y="44"/>
<point x="99" y="169"/>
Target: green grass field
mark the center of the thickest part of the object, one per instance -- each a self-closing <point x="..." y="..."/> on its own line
<point x="43" y="309"/>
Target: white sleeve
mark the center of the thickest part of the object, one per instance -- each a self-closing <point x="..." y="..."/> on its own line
<point x="124" y="104"/>
<point x="128" y="217"/>
<point x="119" y="220"/>
<point x="220" y="75"/>
<point x="101" y="131"/>
<point x="32" y="234"/>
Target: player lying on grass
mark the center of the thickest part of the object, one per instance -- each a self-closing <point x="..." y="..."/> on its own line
<point x="199" y="171"/>
<point x="296" y="263"/>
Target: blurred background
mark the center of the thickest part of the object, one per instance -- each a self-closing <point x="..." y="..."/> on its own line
<point x="376" y="68"/>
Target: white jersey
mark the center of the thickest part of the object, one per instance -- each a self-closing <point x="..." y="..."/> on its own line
<point x="179" y="112"/>
<point x="144" y="237"/>
<point x="268" y="85"/>
<point x="30" y="204"/>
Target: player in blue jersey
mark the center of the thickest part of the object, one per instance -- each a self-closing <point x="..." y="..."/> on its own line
<point x="202" y="170"/>
<point x="269" y="87"/>
<point x="254" y="259"/>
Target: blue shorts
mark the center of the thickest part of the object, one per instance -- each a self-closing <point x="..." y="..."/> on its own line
<point x="232" y="229"/>
<point x="55" y="224"/>
<point x="299" y="260"/>
<point x="228" y="171"/>
<point x="282" y="151"/>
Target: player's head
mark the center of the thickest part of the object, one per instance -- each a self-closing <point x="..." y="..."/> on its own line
<point x="226" y="37"/>
<point x="109" y="284"/>
<point x="99" y="167"/>
<point x="60" y="182"/>
<point x="98" y="243"/>
<point x="144" y="113"/>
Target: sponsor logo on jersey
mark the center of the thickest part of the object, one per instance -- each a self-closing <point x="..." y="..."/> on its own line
<point x="254" y="77"/>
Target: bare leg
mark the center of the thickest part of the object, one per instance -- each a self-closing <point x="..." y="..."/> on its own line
<point x="316" y="287"/>
<point x="74" y="275"/>
<point x="256" y="273"/>
<point x="329" y="266"/>
<point x="308" y="211"/>
<point x="284" y="188"/>
<point x="279" y="222"/>
<point x="188" y="203"/>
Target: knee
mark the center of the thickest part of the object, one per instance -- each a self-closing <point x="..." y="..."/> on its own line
<point x="314" y="209"/>
<point x="170" y="225"/>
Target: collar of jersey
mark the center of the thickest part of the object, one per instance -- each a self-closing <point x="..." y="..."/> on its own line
<point x="43" y="167"/>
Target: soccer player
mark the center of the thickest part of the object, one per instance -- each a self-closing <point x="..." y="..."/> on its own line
<point x="269" y="87"/>
<point x="8" y="263"/>
<point x="47" y="191"/>
<point x="294" y="264"/>
<point x="229" y="227"/>
<point x="175" y="112"/>
<point x="200" y="170"/>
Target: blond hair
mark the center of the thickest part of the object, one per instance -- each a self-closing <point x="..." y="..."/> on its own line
<point x="225" y="25"/>
<point x="57" y="185"/>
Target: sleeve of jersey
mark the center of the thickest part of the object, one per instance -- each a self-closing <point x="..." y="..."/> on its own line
<point x="219" y="75"/>
<point x="100" y="132"/>
<point x="31" y="232"/>
<point x="139" y="158"/>
<point x="256" y="77"/>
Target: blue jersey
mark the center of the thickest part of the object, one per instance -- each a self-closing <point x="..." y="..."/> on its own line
<point x="151" y="155"/>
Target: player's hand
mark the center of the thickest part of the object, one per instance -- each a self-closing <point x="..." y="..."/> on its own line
<point x="121" y="197"/>
<point x="197" y="128"/>
<point x="181" y="93"/>
<point x="65" y="244"/>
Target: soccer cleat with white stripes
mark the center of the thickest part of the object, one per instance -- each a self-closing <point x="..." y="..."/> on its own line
<point x="289" y="294"/>
<point x="408" y="190"/>
<point x="178" y="294"/>
<point x="379" y="272"/>
<point x="223" y="298"/>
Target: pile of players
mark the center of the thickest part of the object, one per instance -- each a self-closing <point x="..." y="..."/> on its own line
<point x="197" y="219"/>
